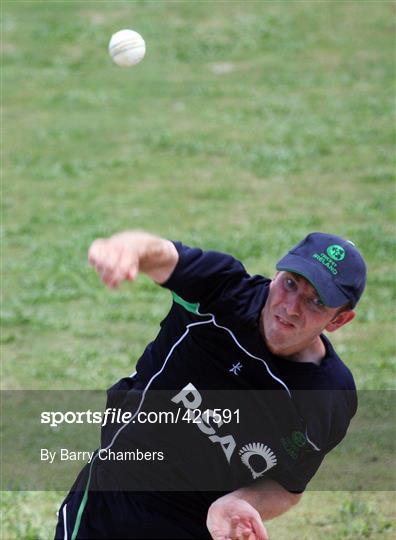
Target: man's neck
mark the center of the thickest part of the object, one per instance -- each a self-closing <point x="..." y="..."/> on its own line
<point x="313" y="354"/>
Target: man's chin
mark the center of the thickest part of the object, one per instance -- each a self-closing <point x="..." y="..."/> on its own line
<point x="276" y="345"/>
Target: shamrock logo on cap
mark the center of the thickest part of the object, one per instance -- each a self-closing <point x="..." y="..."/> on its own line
<point x="337" y="253"/>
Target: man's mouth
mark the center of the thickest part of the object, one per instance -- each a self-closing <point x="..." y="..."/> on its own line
<point x="283" y="322"/>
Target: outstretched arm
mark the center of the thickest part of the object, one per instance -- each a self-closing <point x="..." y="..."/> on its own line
<point x="123" y="255"/>
<point x="240" y="514"/>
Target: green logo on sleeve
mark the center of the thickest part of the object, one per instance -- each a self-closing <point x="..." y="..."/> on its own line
<point x="294" y="444"/>
<point x="337" y="253"/>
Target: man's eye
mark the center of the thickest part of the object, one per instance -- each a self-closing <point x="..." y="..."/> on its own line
<point x="289" y="284"/>
<point x="317" y="302"/>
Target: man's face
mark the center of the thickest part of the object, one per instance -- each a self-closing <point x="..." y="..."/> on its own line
<point x="294" y="316"/>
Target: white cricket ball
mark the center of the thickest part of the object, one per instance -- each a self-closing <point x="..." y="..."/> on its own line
<point x="127" y="48"/>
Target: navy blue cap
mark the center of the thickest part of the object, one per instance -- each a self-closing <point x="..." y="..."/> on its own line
<point x="332" y="265"/>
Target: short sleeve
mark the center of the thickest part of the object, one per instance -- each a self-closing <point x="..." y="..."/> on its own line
<point x="295" y="479"/>
<point x="205" y="277"/>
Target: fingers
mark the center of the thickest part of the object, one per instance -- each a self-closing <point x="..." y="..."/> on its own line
<point x="242" y="529"/>
<point x="125" y="267"/>
<point x="259" y="530"/>
<point x="113" y="261"/>
<point x="247" y="529"/>
<point x="253" y="527"/>
<point x="236" y="528"/>
<point x="108" y="266"/>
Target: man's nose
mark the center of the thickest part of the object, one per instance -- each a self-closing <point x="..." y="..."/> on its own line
<point x="293" y="307"/>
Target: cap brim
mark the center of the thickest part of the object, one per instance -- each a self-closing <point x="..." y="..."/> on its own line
<point x="318" y="277"/>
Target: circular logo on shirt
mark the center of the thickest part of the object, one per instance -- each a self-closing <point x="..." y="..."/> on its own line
<point x="258" y="458"/>
<point x="299" y="439"/>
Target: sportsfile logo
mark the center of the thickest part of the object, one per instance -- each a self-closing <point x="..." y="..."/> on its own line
<point x="333" y="255"/>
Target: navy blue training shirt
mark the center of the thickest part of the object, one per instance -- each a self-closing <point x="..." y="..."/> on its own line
<point x="209" y="355"/>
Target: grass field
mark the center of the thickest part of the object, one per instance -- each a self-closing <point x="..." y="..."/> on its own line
<point x="247" y="125"/>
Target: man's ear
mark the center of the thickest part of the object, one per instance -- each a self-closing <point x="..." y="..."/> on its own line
<point x="339" y="320"/>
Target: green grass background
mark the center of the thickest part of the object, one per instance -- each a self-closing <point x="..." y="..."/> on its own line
<point x="247" y="125"/>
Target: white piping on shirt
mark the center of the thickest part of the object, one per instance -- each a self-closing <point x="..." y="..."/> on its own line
<point x="310" y="442"/>
<point x="151" y="380"/>
<point x="64" y="523"/>
<point x="253" y="356"/>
